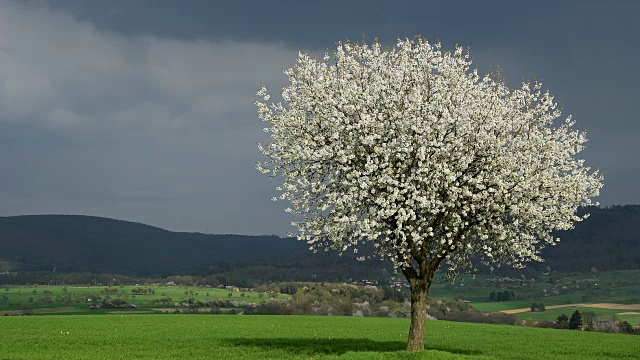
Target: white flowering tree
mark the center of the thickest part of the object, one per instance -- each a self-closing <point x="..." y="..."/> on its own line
<point x="410" y="150"/>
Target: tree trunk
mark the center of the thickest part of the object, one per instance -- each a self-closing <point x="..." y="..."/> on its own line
<point x="419" y="293"/>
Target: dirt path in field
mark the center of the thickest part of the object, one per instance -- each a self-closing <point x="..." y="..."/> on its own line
<point x="599" y="306"/>
<point x="629" y="313"/>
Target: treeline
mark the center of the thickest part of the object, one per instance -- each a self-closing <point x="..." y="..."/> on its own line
<point x="499" y="296"/>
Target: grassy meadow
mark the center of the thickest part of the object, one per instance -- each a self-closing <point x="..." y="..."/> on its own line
<point x="139" y="333"/>
<point x="147" y="299"/>
<point x="291" y="337"/>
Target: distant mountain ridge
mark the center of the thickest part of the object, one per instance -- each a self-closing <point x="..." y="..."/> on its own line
<point x="78" y="243"/>
<point x="609" y="239"/>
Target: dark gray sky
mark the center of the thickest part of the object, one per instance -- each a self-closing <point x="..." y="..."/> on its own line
<point x="143" y="110"/>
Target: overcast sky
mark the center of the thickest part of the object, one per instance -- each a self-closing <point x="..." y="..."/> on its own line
<point x="143" y="110"/>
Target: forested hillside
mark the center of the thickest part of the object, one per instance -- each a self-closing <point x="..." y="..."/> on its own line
<point x="74" y="243"/>
<point x="609" y="239"/>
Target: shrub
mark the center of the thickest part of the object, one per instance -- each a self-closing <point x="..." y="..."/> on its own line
<point x="552" y="325"/>
<point x="606" y="325"/>
<point x="274" y="307"/>
<point x="562" y="319"/>
<point x="588" y="317"/>
<point x="403" y="311"/>
<point x="26" y="311"/>
<point x="625" y="327"/>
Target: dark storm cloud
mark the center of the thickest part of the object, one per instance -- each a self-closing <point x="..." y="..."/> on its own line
<point x="143" y="110"/>
<point x="137" y="127"/>
<point x="320" y="24"/>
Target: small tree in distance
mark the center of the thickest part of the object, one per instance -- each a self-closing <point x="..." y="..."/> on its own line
<point x="575" y="322"/>
<point x="409" y="150"/>
<point x="562" y="319"/>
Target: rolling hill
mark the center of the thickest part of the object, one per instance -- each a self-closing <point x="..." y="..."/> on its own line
<point x="75" y="243"/>
<point x="608" y="240"/>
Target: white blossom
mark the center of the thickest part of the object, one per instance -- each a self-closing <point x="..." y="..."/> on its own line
<point x="412" y="150"/>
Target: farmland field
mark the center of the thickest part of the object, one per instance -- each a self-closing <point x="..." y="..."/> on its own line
<point x="577" y="291"/>
<point x="621" y="287"/>
<point x="78" y="300"/>
<point x="571" y="290"/>
<point x="290" y="337"/>
<point x="552" y="314"/>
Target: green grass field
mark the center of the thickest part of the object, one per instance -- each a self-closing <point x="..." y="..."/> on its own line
<point x="73" y="300"/>
<point x="290" y="337"/>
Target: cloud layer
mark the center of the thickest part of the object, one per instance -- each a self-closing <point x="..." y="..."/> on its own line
<point x="141" y="128"/>
<point x="144" y="110"/>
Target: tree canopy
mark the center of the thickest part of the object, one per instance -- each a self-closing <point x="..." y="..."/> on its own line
<point x="411" y="150"/>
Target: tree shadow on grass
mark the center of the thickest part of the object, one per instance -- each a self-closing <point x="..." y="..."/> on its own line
<point x="319" y="346"/>
<point x="331" y="346"/>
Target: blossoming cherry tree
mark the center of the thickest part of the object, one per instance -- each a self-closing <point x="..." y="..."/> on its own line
<point x="411" y="151"/>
